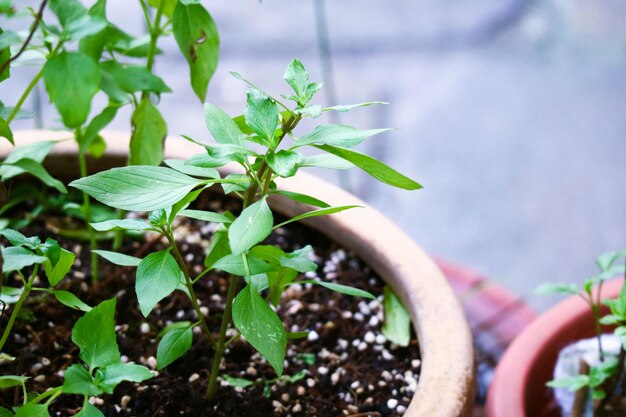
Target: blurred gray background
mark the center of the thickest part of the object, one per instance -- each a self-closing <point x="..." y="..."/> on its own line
<point x="511" y="113"/>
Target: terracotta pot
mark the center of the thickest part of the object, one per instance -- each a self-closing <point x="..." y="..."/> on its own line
<point x="447" y="379"/>
<point x="519" y="385"/>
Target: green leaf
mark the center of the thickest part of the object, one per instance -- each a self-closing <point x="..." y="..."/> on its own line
<point x="149" y="132"/>
<point x="299" y="260"/>
<point x="261" y="115"/>
<point x="181" y="166"/>
<point x="158" y="276"/>
<point x="325" y="161"/>
<point x="17" y="239"/>
<point x="120" y="224"/>
<point x="118" y="258"/>
<point x="261" y="327"/>
<point x="5" y="130"/>
<point x="233" y="264"/>
<point x="93" y="45"/>
<point x="113" y="374"/>
<point x="5" y="412"/>
<point x="138" y="188"/>
<point x="373" y="167"/>
<point x="198" y="40"/>
<point x="77" y="380"/>
<point x="242" y="182"/>
<point x="37" y="170"/>
<point x="337" y="135"/>
<point x="284" y="163"/>
<point x="297" y="77"/>
<point x="72" y="80"/>
<point x="343" y="289"/>
<point x="33" y="410"/>
<point x="5" y="56"/>
<point x="237" y="382"/>
<point x="219" y="248"/>
<point x="97" y="348"/>
<point x="10" y="295"/>
<point x="208" y="216"/>
<point x="57" y="268"/>
<point x="168" y="7"/>
<point x="9" y="381"/>
<point x="70" y="300"/>
<point x="95" y="126"/>
<point x="173" y="345"/>
<point x="550" y="288"/>
<point x="252" y="226"/>
<point x="397" y="325"/>
<point x="134" y="78"/>
<point x="36" y="151"/>
<point x="572" y="383"/>
<point x="315" y="213"/>
<point x="89" y="411"/>
<point x="348" y="107"/>
<point x="222" y="127"/>
<point x="302" y="198"/>
<point x="84" y="27"/>
<point x="17" y="258"/>
<point x="67" y="11"/>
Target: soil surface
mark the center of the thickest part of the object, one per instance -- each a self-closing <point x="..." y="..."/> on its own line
<point x="345" y="367"/>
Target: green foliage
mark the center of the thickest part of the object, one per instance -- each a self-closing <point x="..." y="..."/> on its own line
<point x="149" y="132"/>
<point x="255" y="141"/>
<point x="397" y="325"/>
<point x="72" y="81"/>
<point x="261" y="327"/>
<point x="252" y="226"/>
<point x="174" y="344"/>
<point x="97" y="349"/>
<point x="197" y="38"/>
<point x="139" y="188"/>
<point x="158" y="276"/>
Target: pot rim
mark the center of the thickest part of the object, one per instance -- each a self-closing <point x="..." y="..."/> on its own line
<point x="447" y="378"/>
<point x="540" y="342"/>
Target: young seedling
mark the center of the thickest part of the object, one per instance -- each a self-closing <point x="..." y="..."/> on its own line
<point x="604" y="380"/>
<point x="99" y="373"/>
<point x="30" y="252"/>
<point x="264" y="143"/>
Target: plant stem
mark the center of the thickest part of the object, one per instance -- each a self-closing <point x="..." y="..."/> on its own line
<point x="38" y="18"/>
<point x="24" y="96"/>
<point x="82" y="161"/>
<point x="155" y="32"/>
<point x="30" y="86"/>
<point x="18" y="306"/>
<point x="248" y="198"/>
<point x="119" y="234"/>
<point x="189" y="285"/>
<point x="221" y="341"/>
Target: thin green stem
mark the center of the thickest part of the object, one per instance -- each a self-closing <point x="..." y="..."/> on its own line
<point x="18" y="306"/>
<point x="93" y="243"/>
<point x="221" y="341"/>
<point x="119" y="234"/>
<point x="201" y="274"/>
<point x="189" y="284"/>
<point x="30" y="87"/>
<point x="24" y="96"/>
<point x="264" y="175"/>
<point x="155" y="32"/>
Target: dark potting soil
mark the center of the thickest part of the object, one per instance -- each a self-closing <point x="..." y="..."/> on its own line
<point x="345" y="367"/>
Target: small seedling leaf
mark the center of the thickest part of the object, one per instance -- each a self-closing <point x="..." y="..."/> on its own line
<point x="158" y="276"/>
<point x="261" y="327"/>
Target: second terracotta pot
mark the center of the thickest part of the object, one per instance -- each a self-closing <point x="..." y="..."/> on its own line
<point x="519" y="386"/>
